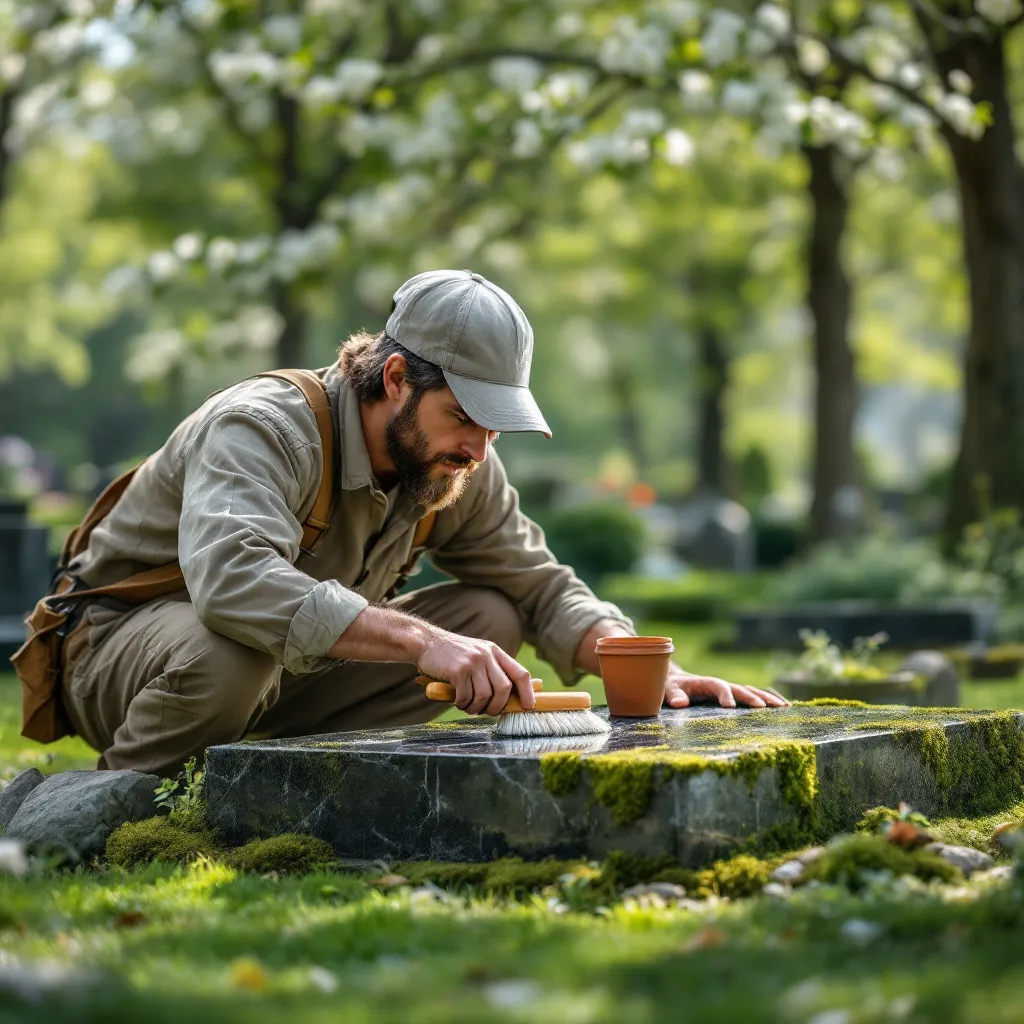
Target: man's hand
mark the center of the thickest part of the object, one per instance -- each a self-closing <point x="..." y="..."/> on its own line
<point x="682" y="686"/>
<point x="481" y="672"/>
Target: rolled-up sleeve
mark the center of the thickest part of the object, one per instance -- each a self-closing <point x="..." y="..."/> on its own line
<point x="486" y="540"/>
<point x="247" y="479"/>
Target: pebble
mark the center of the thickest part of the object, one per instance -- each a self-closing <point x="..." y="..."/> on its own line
<point x="788" y="873"/>
<point x="966" y="858"/>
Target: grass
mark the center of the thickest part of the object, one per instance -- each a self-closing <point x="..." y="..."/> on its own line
<point x="203" y="942"/>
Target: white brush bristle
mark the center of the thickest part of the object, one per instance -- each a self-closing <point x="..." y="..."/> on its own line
<point x="550" y="723"/>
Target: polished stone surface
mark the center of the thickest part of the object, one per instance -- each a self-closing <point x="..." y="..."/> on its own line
<point x="451" y="791"/>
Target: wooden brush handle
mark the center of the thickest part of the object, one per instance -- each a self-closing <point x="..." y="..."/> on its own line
<point x="563" y="701"/>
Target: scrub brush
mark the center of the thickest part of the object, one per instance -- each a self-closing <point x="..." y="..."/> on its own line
<point x="556" y="714"/>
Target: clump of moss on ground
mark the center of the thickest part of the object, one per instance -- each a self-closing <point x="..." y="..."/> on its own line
<point x="157" y="839"/>
<point x="845" y="862"/>
<point x="508" y="876"/>
<point x="290" y="853"/>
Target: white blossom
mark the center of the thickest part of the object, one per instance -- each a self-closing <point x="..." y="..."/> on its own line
<point x="429" y="49"/>
<point x="881" y="15"/>
<point x="13" y="860"/>
<point x="234" y="69"/>
<point x="34" y="105"/>
<point x="435" y="137"/>
<point x="740" y="98"/>
<point x="260" y="327"/>
<point x="203" y="14"/>
<point x="566" y="86"/>
<point x="96" y="93"/>
<point x="913" y="116"/>
<point x="375" y="214"/>
<point x="568" y="25"/>
<point x="515" y="75"/>
<point x="283" y="32"/>
<point x="960" y="81"/>
<point x="634" y="49"/>
<point x="60" y="43"/>
<point x="527" y="140"/>
<point x="155" y="354"/>
<point x="833" y="123"/>
<point x="375" y="285"/>
<point x="679" y="148"/>
<point x="910" y="76"/>
<point x="759" y="42"/>
<point x="256" y="113"/>
<point x="299" y="251"/>
<point x="813" y="56"/>
<point x="188" y="247"/>
<point x="720" y="43"/>
<point x="162" y="266"/>
<point x="888" y="163"/>
<point x="321" y="91"/>
<point x="697" y="89"/>
<point x="165" y="121"/>
<point x="327" y="8"/>
<point x="773" y="19"/>
<point x="642" y="122"/>
<point x="681" y="14"/>
<point x="357" y="77"/>
<point x="12" y="67"/>
<point x="999" y="12"/>
<point x="960" y="112"/>
<point x="221" y="254"/>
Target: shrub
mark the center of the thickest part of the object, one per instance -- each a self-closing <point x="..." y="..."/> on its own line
<point x="880" y="568"/>
<point x="596" y="539"/>
<point x="291" y="853"/>
<point x="142" y="842"/>
<point x="846" y="861"/>
<point x="695" y="597"/>
<point x="776" y="541"/>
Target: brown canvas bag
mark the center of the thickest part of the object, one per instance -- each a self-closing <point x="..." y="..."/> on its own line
<point x="38" y="663"/>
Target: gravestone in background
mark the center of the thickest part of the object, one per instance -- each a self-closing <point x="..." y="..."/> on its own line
<point x="713" y="532"/>
<point x="25" y="569"/>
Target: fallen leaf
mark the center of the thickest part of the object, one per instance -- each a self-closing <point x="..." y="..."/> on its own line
<point x="129" y="919"/>
<point x="906" y="834"/>
<point x="707" y="938"/>
<point x="390" y="881"/>
<point x="249" y="975"/>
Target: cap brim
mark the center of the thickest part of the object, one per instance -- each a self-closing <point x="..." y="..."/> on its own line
<point x="503" y="407"/>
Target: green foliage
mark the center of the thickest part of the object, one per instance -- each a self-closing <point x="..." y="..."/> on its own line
<point x="847" y="862"/>
<point x="290" y="853"/>
<point x="509" y="876"/>
<point x="776" y="540"/>
<point x="880" y="568"/>
<point x="874" y="819"/>
<point x="157" y="839"/>
<point x="187" y="805"/>
<point x="597" y="539"/>
<point x="824" y="660"/>
<point x="696" y="597"/>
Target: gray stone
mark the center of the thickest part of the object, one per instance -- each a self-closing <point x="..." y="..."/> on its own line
<point x="35" y="982"/>
<point x="715" y="533"/>
<point x="943" y="683"/>
<point x="813" y="853"/>
<point x="788" y="873"/>
<point x="1000" y="873"/>
<point x="455" y="792"/>
<point x="666" y="891"/>
<point x="75" y="811"/>
<point x="776" y="889"/>
<point x="13" y="795"/>
<point x="966" y="858"/>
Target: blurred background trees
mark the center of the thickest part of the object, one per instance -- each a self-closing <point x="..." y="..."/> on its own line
<point x="770" y="254"/>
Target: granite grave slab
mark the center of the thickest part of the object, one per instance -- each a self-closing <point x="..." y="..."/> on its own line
<point x="693" y="783"/>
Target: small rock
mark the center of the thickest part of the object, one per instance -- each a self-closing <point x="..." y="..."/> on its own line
<point x="776" y="889"/>
<point x="788" y="873"/>
<point x="15" y="792"/>
<point x="76" y="811"/>
<point x="33" y="982"/>
<point x="664" y="890"/>
<point x="860" y="932"/>
<point x="12" y="858"/>
<point x="813" y="853"/>
<point x="389" y="881"/>
<point x="966" y="858"/>
<point x="1001" y="873"/>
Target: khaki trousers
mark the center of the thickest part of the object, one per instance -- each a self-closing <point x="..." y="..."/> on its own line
<point x="152" y="687"/>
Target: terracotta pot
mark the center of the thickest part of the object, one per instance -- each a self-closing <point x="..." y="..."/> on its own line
<point x="635" y="673"/>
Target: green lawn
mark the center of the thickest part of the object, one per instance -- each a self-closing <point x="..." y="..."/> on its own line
<point x="202" y="943"/>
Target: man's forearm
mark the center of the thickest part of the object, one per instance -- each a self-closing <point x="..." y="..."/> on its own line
<point x="586" y="656"/>
<point x="384" y="634"/>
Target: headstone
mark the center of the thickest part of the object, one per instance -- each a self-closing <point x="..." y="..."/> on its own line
<point x="693" y="784"/>
<point x="25" y="569"/>
<point x="75" y="811"/>
<point x="941" y="624"/>
<point x="715" y="533"/>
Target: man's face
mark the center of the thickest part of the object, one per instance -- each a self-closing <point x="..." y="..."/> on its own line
<point x="435" y="447"/>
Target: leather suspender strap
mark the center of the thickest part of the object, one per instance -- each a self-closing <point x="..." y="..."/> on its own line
<point x="423" y="528"/>
<point x="315" y="393"/>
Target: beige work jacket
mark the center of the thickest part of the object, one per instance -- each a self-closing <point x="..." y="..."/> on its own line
<point x="226" y="496"/>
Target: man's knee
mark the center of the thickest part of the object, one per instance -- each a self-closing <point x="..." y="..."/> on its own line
<point x="238" y="679"/>
<point x="496" y="619"/>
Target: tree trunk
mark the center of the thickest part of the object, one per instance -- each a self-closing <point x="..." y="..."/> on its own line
<point x="713" y="471"/>
<point x="989" y="177"/>
<point x="624" y="394"/>
<point x="6" y="160"/>
<point x="291" y="351"/>
<point x="835" y="509"/>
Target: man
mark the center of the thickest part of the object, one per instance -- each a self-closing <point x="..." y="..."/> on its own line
<point x="284" y="642"/>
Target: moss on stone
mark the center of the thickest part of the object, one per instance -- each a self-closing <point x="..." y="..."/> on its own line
<point x="830" y="702"/>
<point x="509" y="876"/>
<point x="845" y="862"/>
<point x="290" y="853"/>
<point x="649" y="727"/>
<point x="157" y="839"/>
<point x="560" y="772"/>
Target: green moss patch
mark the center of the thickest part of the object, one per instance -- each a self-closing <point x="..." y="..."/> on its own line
<point x="508" y="876"/>
<point x="830" y="702"/>
<point x="157" y="839"/>
<point x="560" y="772"/>
<point x="291" y="853"/>
<point x="845" y="863"/>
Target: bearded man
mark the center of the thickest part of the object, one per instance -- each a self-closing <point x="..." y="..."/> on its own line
<point x="270" y="638"/>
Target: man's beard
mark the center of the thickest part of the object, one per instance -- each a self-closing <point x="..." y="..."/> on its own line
<point x="409" y="450"/>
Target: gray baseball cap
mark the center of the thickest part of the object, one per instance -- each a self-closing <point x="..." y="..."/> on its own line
<point x="479" y="337"/>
